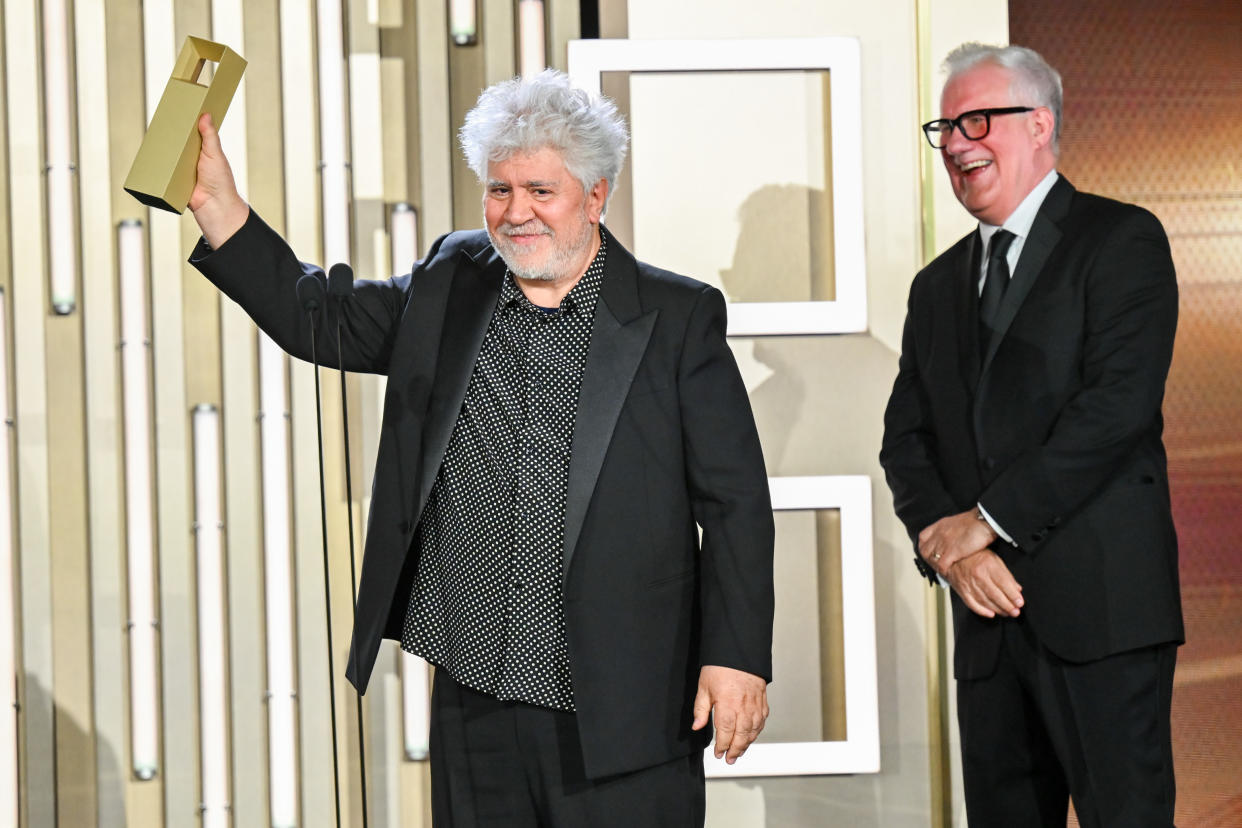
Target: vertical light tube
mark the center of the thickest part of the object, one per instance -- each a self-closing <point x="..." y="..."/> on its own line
<point x="333" y="116"/>
<point x="415" y="705"/>
<point x="8" y="646"/>
<point x="404" y="238"/>
<point x="532" y="52"/>
<point x="212" y="696"/>
<point x="415" y="698"/>
<point x="61" y="171"/>
<point x="139" y="499"/>
<point x="277" y="586"/>
<point x="463" y="22"/>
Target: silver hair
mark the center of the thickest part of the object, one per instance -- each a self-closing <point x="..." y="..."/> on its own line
<point x="545" y="111"/>
<point x="1035" y="82"/>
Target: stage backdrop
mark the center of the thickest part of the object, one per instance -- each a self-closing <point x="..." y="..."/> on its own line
<point x="1153" y="115"/>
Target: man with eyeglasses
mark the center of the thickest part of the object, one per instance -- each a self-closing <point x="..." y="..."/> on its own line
<point x="1022" y="443"/>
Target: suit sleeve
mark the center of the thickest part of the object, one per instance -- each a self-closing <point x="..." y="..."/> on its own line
<point x="257" y="269"/>
<point x="729" y="496"/>
<point x="908" y="452"/>
<point x="1126" y="349"/>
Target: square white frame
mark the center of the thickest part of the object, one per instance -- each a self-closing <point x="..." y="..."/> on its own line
<point x="860" y="751"/>
<point x="841" y="56"/>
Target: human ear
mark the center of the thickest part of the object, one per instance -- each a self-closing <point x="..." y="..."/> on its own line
<point x="596" y="198"/>
<point x="1043" y="124"/>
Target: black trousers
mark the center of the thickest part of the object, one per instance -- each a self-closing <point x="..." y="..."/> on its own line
<point x="502" y="764"/>
<point x="1041" y="729"/>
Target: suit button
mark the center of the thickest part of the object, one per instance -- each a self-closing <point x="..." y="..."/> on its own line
<point x="989" y="463"/>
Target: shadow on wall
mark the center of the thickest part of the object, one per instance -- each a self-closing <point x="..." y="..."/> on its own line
<point x="779" y="244"/>
<point x="50" y="798"/>
<point x="819" y="403"/>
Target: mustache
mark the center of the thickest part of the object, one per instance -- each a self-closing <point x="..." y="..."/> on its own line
<point x="534" y="227"/>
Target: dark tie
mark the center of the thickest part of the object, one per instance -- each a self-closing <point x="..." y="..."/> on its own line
<point x="994" y="284"/>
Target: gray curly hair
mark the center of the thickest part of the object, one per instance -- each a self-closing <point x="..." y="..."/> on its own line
<point x="1035" y="82"/>
<point x="528" y="114"/>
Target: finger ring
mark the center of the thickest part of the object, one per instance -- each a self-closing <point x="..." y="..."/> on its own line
<point x="936" y="556"/>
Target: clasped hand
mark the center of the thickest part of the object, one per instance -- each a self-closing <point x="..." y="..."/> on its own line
<point x="957" y="547"/>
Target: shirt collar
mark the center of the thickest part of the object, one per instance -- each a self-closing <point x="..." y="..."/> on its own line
<point x="1020" y="220"/>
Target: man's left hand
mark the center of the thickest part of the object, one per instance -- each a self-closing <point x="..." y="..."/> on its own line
<point x="740" y="700"/>
<point x="952" y="538"/>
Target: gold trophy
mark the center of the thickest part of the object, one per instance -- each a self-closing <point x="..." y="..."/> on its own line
<point x="164" y="171"/>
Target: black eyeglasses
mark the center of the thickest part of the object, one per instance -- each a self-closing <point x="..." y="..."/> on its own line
<point x="974" y="124"/>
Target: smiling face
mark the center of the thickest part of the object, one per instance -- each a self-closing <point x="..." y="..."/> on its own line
<point x="539" y="218"/>
<point x="991" y="176"/>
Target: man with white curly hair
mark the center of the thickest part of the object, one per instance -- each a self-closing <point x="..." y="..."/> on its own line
<point x="560" y="423"/>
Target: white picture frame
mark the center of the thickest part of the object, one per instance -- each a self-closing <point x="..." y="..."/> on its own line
<point x="860" y="751"/>
<point x="841" y="58"/>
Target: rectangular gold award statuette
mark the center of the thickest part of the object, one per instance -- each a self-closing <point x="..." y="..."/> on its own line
<point x="164" y="171"/>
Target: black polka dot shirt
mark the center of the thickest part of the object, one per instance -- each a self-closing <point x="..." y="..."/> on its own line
<point x="487" y="605"/>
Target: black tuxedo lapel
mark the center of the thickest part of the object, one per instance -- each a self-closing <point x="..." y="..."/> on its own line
<point x="619" y="337"/>
<point x="471" y="303"/>
<point x="1044" y="236"/>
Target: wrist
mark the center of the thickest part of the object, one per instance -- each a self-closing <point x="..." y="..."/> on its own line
<point x="979" y="516"/>
<point x="220" y="219"/>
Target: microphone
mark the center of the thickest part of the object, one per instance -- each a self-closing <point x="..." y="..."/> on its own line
<point x="311" y="293"/>
<point x="340" y="280"/>
<point x="340" y="288"/>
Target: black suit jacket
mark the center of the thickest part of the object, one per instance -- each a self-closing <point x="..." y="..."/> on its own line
<point x="663" y="439"/>
<point x="1056" y="430"/>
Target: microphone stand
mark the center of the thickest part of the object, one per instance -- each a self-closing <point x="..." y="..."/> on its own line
<point x="310" y="289"/>
<point x="340" y="286"/>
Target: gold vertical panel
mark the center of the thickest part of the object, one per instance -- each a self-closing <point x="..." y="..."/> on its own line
<point x="29" y="301"/>
<point x="239" y="395"/>
<point x="934" y="607"/>
<point x="302" y="220"/>
<point x="5" y="237"/>
<point x="808" y="696"/>
<point x="614" y="19"/>
<point x="467" y="78"/>
<point x="105" y="496"/>
<point x="564" y="24"/>
<point x="498" y="42"/>
<point x="402" y="138"/>
<point x="170" y="237"/>
<point x="143" y="800"/>
<point x="397" y="149"/>
<point x="6" y="390"/>
<point x="415" y="795"/>
<point x="820" y="210"/>
<point x="366" y="118"/>
<point x="831" y="624"/>
<point x="620" y="217"/>
<point x="70" y="559"/>
<point x="436" y="130"/>
<point x="75" y="748"/>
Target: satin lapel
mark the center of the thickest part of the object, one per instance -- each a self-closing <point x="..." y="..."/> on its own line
<point x="471" y="303"/>
<point x="1035" y="252"/>
<point x="619" y="337"/>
